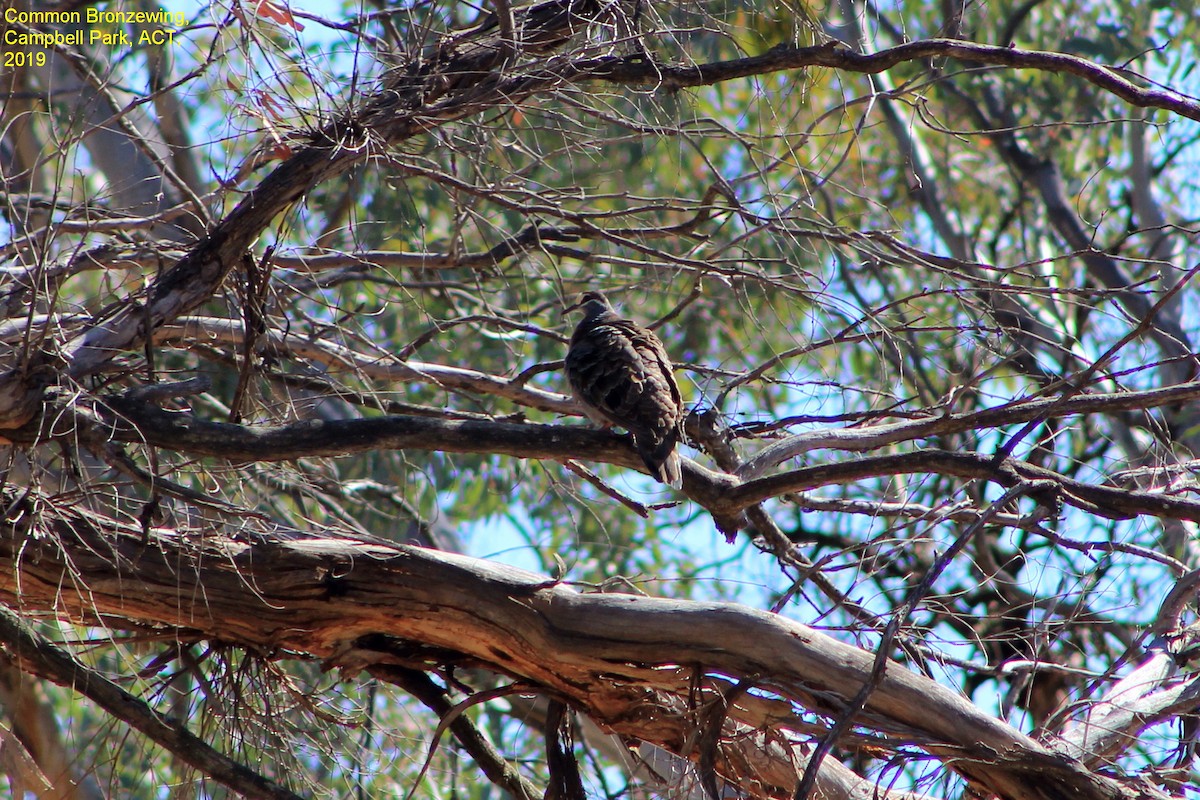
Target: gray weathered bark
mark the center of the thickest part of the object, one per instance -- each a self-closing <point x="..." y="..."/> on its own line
<point x="632" y="663"/>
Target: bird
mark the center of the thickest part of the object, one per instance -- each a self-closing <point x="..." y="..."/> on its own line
<point x="621" y="374"/>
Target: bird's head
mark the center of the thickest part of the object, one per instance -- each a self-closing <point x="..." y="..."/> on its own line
<point x="592" y="304"/>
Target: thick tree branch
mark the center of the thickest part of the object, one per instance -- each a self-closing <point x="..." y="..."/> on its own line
<point x="720" y="493"/>
<point x="355" y="603"/>
<point x="1151" y="693"/>
<point x="451" y="85"/>
<point x="724" y="496"/>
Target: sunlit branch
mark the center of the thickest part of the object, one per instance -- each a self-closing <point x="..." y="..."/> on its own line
<point x="723" y="495"/>
<point x="636" y="69"/>
<point x="352" y="603"/>
<point x="382" y="367"/>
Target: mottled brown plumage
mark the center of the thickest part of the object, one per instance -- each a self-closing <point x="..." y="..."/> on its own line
<point x="621" y="374"/>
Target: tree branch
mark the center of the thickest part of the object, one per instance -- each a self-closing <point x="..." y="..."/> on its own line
<point x="409" y="103"/>
<point x="353" y="602"/>
<point x="503" y="774"/>
<point x="1105" y="501"/>
<point x="637" y="70"/>
<point x="723" y="495"/>
<point x="871" y="437"/>
<point x="383" y="367"/>
<point x="37" y="655"/>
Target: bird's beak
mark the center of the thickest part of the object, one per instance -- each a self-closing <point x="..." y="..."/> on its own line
<point x="570" y="308"/>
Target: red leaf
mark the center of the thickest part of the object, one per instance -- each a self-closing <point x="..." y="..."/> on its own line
<point x="277" y="13"/>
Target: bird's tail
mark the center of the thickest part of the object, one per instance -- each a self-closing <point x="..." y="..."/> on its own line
<point x="671" y="471"/>
<point x="662" y="461"/>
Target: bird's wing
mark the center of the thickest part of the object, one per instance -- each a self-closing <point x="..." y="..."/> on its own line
<point x="622" y="371"/>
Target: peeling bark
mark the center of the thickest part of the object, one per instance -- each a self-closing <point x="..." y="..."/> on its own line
<point x="632" y="663"/>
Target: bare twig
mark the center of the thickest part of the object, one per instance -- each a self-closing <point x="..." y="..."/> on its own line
<point x="39" y="656"/>
<point x="493" y="764"/>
